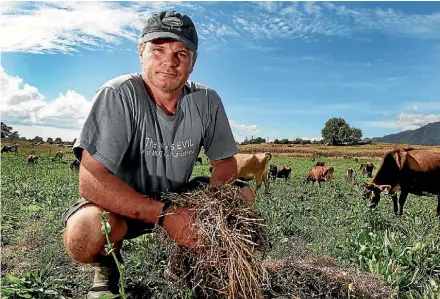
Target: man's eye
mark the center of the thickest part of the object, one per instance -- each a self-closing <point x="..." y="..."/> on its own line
<point x="183" y="54"/>
<point x="158" y="50"/>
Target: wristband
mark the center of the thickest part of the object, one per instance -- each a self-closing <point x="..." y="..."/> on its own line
<point x="163" y="213"/>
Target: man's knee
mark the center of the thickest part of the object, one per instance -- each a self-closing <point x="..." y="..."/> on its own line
<point x="83" y="238"/>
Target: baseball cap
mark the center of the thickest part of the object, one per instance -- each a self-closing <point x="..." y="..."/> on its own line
<point x="171" y="24"/>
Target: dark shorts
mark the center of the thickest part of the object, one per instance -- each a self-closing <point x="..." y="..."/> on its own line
<point x="136" y="228"/>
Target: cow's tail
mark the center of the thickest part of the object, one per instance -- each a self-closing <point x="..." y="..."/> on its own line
<point x="269" y="155"/>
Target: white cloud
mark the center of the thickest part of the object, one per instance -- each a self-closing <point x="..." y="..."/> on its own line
<point x="63" y="26"/>
<point x="24" y="104"/>
<point x="52" y="27"/>
<point x="404" y="121"/>
<point x="244" y="128"/>
<point x="414" y="121"/>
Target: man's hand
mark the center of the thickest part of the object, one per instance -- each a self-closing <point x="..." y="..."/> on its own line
<point x="177" y="224"/>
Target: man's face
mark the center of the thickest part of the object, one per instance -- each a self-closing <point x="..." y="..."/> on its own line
<point x="166" y="64"/>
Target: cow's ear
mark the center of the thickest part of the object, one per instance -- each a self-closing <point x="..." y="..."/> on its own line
<point x="384" y="187"/>
<point x="400" y="157"/>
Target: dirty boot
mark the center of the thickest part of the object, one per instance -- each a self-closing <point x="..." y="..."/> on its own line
<point x="106" y="279"/>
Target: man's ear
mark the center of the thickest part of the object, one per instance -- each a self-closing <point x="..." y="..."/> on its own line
<point x="141" y="48"/>
<point x="194" y="59"/>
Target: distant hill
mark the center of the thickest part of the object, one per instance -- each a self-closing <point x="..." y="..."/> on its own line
<point x="426" y="135"/>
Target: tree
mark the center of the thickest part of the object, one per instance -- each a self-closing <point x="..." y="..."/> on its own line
<point x="337" y="131"/>
<point x="38" y="139"/>
<point x="355" y="135"/>
<point x="14" y="135"/>
<point x="6" y="130"/>
<point x="49" y="140"/>
<point x="58" y="140"/>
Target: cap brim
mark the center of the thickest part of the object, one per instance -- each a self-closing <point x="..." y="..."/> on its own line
<point x="158" y="35"/>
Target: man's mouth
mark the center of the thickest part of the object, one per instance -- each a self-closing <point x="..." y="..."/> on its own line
<point x="167" y="74"/>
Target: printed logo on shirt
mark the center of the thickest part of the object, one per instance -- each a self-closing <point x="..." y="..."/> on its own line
<point x="178" y="149"/>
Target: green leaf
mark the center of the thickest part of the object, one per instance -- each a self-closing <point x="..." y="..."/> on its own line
<point x="14" y="279"/>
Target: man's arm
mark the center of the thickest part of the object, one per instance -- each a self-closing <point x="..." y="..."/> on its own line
<point x="98" y="185"/>
<point x="224" y="171"/>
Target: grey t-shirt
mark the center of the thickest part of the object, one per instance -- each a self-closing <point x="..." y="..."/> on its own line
<point x="151" y="151"/>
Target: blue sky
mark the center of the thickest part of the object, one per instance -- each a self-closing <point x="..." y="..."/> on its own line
<point x="282" y="69"/>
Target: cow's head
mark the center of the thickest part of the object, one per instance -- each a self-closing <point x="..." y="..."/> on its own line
<point x="372" y="192"/>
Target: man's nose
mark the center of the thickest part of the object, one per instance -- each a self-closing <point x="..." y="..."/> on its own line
<point x="171" y="59"/>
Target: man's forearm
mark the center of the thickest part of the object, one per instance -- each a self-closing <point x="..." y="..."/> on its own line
<point x="224" y="171"/>
<point x="112" y="194"/>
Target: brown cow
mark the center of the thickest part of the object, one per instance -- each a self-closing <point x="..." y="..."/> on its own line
<point x="328" y="173"/>
<point x="279" y="172"/>
<point x="254" y="167"/>
<point x="58" y="156"/>
<point x="32" y="160"/>
<point x="320" y="174"/>
<point x="351" y="174"/>
<point x="320" y="163"/>
<point x="316" y="173"/>
<point x="367" y="169"/>
<point x="415" y="171"/>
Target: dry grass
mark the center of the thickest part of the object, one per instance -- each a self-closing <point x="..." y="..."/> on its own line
<point x="374" y="150"/>
<point x="232" y="239"/>
<point x="320" y="277"/>
<point x="230" y="260"/>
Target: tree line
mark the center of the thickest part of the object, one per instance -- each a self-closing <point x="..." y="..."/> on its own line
<point x="336" y="131"/>
<point x="8" y="132"/>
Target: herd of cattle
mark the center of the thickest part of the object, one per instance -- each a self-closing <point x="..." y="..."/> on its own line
<point x="408" y="170"/>
<point x="32" y="158"/>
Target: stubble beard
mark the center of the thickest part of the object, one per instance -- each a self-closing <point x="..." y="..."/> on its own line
<point x="166" y="89"/>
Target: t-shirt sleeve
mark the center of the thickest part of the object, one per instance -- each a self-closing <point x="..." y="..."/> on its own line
<point x="107" y="131"/>
<point x="218" y="142"/>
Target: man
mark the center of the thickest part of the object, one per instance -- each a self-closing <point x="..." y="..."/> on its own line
<point x="141" y="139"/>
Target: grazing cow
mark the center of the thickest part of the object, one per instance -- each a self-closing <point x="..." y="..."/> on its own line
<point x="320" y="163"/>
<point x="367" y="169"/>
<point x="272" y="173"/>
<point x="328" y="173"/>
<point x="10" y="149"/>
<point x="316" y="173"/>
<point x="284" y="172"/>
<point x="58" y="156"/>
<point x="351" y="174"/>
<point x="74" y="165"/>
<point x="356" y="160"/>
<point x="279" y="172"/>
<point x="32" y="160"/>
<point x="320" y="174"/>
<point x="199" y="161"/>
<point x="415" y="171"/>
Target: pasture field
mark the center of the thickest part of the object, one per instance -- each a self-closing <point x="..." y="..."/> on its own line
<point x="302" y="220"/>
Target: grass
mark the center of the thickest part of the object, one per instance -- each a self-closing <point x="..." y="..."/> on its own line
<point x="302" y="220"/>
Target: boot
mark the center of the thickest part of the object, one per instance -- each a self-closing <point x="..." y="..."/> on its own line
<point x="106" y="279"/>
